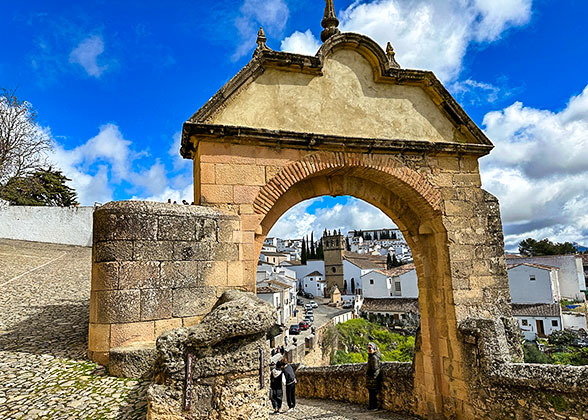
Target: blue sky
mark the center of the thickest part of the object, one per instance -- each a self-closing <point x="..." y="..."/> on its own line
<point x="114" y="81"/>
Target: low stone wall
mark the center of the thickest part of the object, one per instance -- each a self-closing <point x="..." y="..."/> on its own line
<point x="347" y="383"/>
<point x="532" y="391"/>
<point x="157" y="266"/>
<point x="57" y="225"/>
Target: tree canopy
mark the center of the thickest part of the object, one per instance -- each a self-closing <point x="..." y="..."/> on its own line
<point x="23" y="142"/>
<point x="532" y="247"/>
<point x="44" y="187"/>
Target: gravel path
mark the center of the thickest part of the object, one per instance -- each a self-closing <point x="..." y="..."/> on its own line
<point x="44" y="371"/>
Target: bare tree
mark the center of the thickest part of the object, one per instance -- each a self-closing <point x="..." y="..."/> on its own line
<point x="23" y="142"/>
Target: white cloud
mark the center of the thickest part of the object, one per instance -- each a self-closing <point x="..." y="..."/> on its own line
<point x="433" y="34"/>
<point x="477" y="92"/>
<point x="86" y="55"/>
<point x="539" y="169"/>
<point x="354" y="214"/>
<point x="301" y="43"/>
<point x="107" y="162"/>
<point x="271" y="14"/>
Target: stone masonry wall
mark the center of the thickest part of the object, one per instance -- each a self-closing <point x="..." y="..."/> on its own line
<point x="156" y="267"/>
<point x="347" y="383"/>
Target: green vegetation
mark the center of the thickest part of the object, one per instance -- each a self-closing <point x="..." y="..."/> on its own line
<point x="44" y="187"/>
<point x="532" y="247"/>
<point x="353" y="337"/>
<point x="562" y="353"/>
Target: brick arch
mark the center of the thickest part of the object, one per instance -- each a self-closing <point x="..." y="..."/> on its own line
<point x="317" y="163"/>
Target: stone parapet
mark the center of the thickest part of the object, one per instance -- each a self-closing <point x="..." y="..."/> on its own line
<point x="156" y="267"/>
<point x="348" y="383"/>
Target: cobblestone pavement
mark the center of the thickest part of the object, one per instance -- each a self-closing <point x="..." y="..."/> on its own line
<point x="44" y="371"/>
<point x="332" y="410"/>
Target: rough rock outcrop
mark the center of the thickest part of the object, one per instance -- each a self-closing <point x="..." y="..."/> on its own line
<point x="227" y="355"/>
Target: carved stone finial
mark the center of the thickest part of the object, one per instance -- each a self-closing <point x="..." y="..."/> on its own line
<point x="391" y="54"/>
<point x="261" y="40"/>
<point x="329" y="22"/>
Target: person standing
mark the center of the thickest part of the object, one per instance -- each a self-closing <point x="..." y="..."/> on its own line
<point x="290" y="384"/>
<point x="373" y="377"/>
<point x="277" y="381"/>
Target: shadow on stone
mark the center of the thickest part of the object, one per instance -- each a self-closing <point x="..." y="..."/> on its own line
<point x="58" y="330"/>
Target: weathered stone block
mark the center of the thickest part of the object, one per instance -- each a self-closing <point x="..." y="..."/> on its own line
<point x="191" y="251"/>
<point x="177" y="228"/>
<point x="99" y="337"/>
<point x="156" y="304"/>
<point x="105" y="276"/>
<point x="213" y="273"/>
<point x="153" y="250"/>
<point x="164" y="325"/>
<point x="113" y="251"/>
<point x="206" y="230"/>
<point x="224" y="251"/>
<point x="127" y="334"/>
<point x="216" y="194"/>
<point x="139" y="275"/>
<point x="124" y="225"/>
<point x="236" y="174"/>
<point x="134" y="361"/>
<point x="193" y="301"/>
<point x="179" y="274"/>
<point x="117" y="306"/>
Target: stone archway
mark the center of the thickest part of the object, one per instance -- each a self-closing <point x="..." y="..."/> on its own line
<point x="350" y="122"/>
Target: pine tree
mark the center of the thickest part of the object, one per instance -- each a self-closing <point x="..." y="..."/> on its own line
<point x="44" y="187"/>
<point x="395" y="262"/>
<point x="303" y="255"/>
<point x="389" y="262"/>
<point x="312" y="249"/>
<point x="320" y="253"/>
<point x="347" y="245"/>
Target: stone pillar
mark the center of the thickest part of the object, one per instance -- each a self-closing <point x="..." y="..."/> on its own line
<point x="229" y="375"/>
<point x="156" y="267"/>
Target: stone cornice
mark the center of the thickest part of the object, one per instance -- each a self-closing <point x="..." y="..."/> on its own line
<point x="384" y="72"/>
<point x="193" y="133"/>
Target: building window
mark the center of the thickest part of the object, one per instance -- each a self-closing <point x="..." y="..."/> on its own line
<point x="525" y="323"/>
<point x="397" y="287"/>
<point x="333" y="269"/>
<point x="532" y="277"/>
<point x="371" y="281"/>
<point x="554" y="323"/>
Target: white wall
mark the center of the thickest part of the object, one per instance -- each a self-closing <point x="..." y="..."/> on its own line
<point x="314" y="285"/>
<point x="571" y="274"/>
<point x="384" y="287"/>
<point x="573" y="321"/>
<point x="530" y="330"/>
<point x="58" y="225"/>
<point x="309" y="267"/>
<point x="525" y="290"/>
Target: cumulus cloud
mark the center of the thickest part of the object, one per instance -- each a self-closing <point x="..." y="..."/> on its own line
<point x="271" y="14"/>
<point x="538" y="170"/>
<point x="107" y="163"/>
<point x="321" y="213"/>
<point x="86" y="55"/>
<point x="430" y="34"/>
<point x="301" y="43"/>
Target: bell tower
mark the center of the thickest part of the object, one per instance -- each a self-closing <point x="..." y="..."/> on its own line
<point x="333" y="247"/>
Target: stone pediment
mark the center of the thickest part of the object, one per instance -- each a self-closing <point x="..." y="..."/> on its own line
<point x="349" y="89"/>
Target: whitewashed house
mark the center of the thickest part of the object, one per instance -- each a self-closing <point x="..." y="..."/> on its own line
<point x="398" y="282"/>
<point x="302" y="270"/>
<point x="314" y="283"/>
<point x="535" y="291"/>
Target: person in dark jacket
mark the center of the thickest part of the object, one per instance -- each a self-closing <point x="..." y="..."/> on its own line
<point x="290" y="384"/>
<point x="373" y="377"/>
<point x="277" y="381"/>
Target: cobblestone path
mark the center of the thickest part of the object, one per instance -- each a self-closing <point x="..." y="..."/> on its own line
<point x="44" y="371"/>
<point x="333" y="410"/>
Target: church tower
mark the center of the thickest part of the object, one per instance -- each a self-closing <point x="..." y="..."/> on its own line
<point x="333" y="247"/>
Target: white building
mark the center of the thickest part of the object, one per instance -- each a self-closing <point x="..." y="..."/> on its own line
<point x="572" y="283"/>
<point x="314" y="283"/>
<point x="536" y="291"/>
<point x="302" y="270"/>
<point x="398" y="282"/>
<point x="533" y="283"/>
<point x="277" y="285"/>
